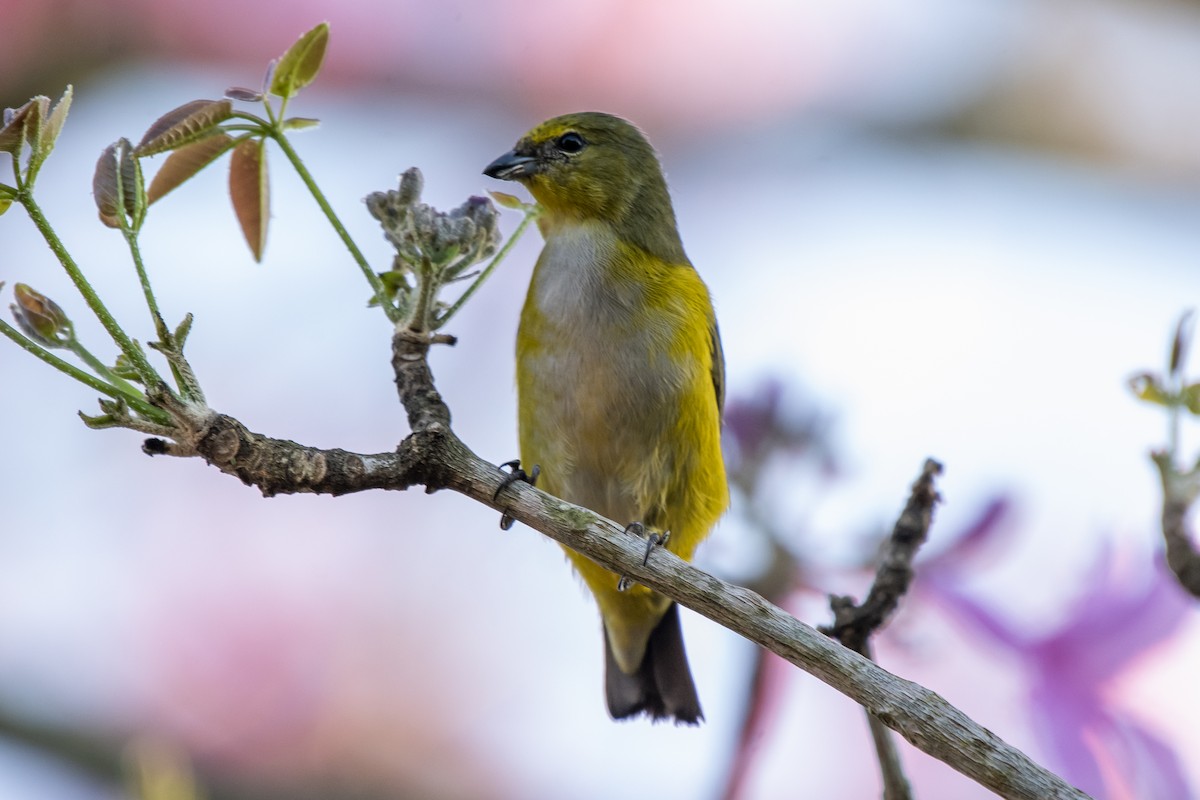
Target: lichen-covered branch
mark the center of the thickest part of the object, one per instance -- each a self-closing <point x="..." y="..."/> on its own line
<point x="279" y="466"/>
<point x="435" y="458"/>
<point x="921" y="716"/>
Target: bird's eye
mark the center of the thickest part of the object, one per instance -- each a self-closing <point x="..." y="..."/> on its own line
<point x="570" y="142"/>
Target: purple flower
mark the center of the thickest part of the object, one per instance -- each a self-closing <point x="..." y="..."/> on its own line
<point x="1118" y="618"/>
<point x="760" y="428"/>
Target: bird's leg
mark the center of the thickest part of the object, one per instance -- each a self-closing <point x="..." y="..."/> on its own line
<point x="653" y="541"/>
<point x="515" y="474"/>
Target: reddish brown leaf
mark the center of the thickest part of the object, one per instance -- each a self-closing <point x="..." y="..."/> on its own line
<point x="186" y="124"/>
<point x="185" y="162"/>
<point x="1179" y="345"/>
<point x="22" y="124"/>
<point x="116" y="159"/>
<point x="249" y="193"/>
<point x="12" y="135"/>
<point x="243" y="94"/>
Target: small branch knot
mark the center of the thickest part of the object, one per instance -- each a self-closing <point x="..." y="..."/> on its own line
<point x="223" y="447"/>
<point x="307" y="467"/>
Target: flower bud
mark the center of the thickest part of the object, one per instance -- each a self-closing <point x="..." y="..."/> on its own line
<point x="412" y="182"/>
<point x="41" y="318"/>
<point x="243" y="94"/>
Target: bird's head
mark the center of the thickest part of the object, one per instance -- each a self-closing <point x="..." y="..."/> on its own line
<point x="592" y="166"/>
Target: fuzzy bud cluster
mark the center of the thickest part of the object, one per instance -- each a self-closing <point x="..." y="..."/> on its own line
<point x="424" y="237"/>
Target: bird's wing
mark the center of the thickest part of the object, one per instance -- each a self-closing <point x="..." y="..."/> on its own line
<point x="718" y="366"/>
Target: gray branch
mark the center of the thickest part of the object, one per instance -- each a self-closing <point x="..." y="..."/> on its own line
<point x="433" y="457"/>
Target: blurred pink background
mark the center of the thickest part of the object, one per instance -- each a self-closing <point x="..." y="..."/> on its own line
<point x="948" y="228"/>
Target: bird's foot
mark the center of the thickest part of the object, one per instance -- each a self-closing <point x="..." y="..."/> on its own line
<point x="652" y="541"/>
<point x="515" y="474"/>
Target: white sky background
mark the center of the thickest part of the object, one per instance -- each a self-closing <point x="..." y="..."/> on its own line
<point x="972" y="303"/>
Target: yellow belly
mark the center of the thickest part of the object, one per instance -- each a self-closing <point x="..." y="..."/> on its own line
<point x="617" y="406"/>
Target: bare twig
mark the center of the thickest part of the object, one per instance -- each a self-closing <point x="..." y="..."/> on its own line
<point x="761" y="703"/>
<point x="895" y="784"/>
<point x="853" y="624"/>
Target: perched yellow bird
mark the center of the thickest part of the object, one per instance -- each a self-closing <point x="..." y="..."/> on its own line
<point x="620" y="380"/>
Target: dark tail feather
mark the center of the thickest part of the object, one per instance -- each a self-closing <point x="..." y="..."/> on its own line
<point x="662" y="686"/>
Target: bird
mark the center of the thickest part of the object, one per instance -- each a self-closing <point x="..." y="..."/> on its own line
<point x="620" y="382"/>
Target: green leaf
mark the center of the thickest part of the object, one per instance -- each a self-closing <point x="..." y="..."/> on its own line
<point x="53" y="126"/>
<point x="98" y="422"/>
<point x="1191" y="398"/>
<point x="300" y="123"/>
<point x="126" y="370"/>
<point x="39" y="109"/>
<point x="113" y="408"/>
<point x="301" y="63"/>
<point x="137" y="203"/>
<point x="507" y="200"/>
<point x="181" y="332"/>
<point x="111" y="201"/>
<point x="5" y="204"/>
<point x="184" y="125"/>
<point x="249" y="192"/>
<point x="1148" y="387"/>
<point x="186" y="161"/>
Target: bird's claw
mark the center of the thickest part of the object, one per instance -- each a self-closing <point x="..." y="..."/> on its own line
<point x="652" y="541"/>
<point x="515" y="474"/>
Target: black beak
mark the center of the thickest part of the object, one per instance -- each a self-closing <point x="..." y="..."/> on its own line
<point x="511" y="166"/>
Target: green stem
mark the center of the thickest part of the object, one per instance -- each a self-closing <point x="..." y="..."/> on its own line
<point x="271" y="114"/>
<point x="483" y="276"/>
<point x="373" y="279"/>
<point x="17" y="180"/>
<point x="135" y="355"/>
<point x="260" y="125"/>
<point x="165" y="338"/>
<point x="135" y="400"/>
<point x="1173" y="423"/>
<point x="247" y="130"/>
<point x="103" y="371"/>
<point x="420" y="319"/>
<point x="135" y="250"/>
